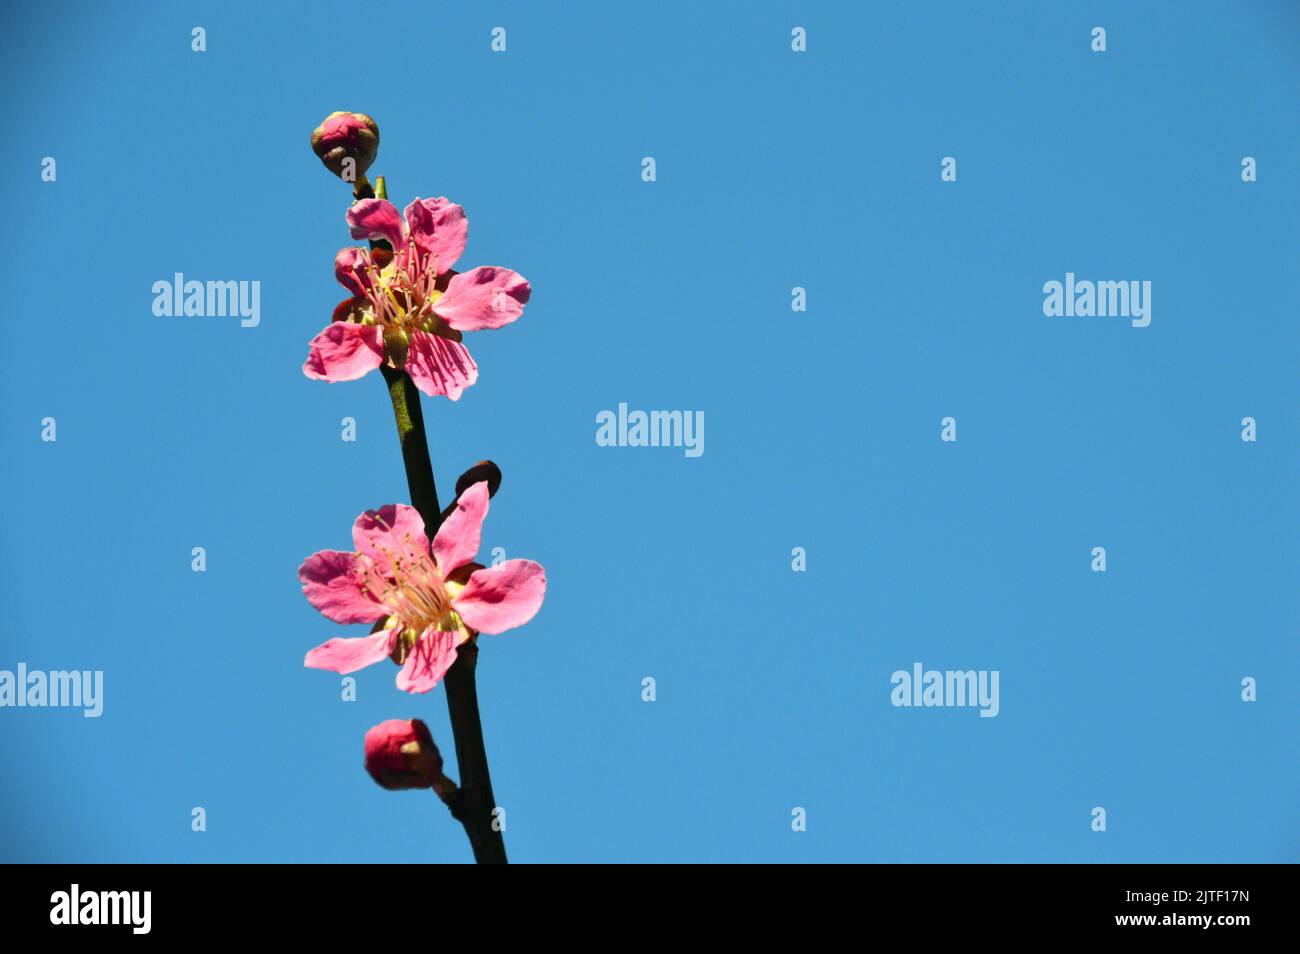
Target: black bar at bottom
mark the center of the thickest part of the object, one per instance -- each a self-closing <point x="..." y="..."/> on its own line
<point x="333" y="903"/>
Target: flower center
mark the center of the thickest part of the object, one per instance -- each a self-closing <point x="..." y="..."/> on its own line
<point x="403" y="290"/>
<point x="413" y="591"/>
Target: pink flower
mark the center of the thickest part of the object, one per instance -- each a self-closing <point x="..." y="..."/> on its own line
<point x="408" y="307"/>
<point x="400" y="754"/>
<point x="425" y="600"/>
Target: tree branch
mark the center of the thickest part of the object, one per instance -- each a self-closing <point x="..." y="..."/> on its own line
<point x="474" y="801"/>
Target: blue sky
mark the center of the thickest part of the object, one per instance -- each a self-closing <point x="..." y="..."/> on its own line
<point x="775" y="169"/>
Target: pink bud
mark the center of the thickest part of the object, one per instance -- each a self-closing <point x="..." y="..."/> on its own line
<point x="344" y="136"/>
<point x="400" y="754"/>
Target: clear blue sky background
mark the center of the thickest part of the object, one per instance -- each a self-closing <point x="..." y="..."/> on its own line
<point x="775" y="169"/>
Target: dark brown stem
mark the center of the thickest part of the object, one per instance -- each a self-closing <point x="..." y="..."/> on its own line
<point x="362" y="189"/>
<point x="474" y="802"/>
<point x="415" y="447"/>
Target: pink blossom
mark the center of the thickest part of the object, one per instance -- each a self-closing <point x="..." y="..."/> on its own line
<point x="400" y="754"/>
<point x="425" y="600"/>
<point x="408" y="307"/>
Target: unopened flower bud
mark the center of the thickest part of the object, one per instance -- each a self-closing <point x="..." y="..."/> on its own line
<point x="483" y="470"/>
<point x="400" y="754"/>
<point x="347" y="144"/>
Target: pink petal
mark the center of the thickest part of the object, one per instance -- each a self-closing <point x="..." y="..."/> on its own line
<point x="502" y="597"/>
<point x="458" y="539"/>
<point x="439" y="365"/>
<point x="331" y="581"/>
<point x="348" y="655"/>
<point x="439" y="227"/>
<point x="350" y="266"/>
<point x="392" y="531"/>
<point x="376" y="219"/>
<point x="344" y="352"/>
<point x="486" y="297"/>
<point x="428" y="661"/>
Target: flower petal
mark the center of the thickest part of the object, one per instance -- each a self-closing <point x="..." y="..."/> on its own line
<point x="502" y="597"/>
<point x="350" y="266"/>
<point x="439" y="227"/>
<point x="331" y="582"/>
<point x="344" y="352"/>
<point x="348" y="655"/>
<point x="438" y="365"/>
<point x="376" y="219"/>
<point x="392" y="531"/>
<point x="428" y="661"/>
<point x="486" y="297"/>
<point x="458" y="539"/>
